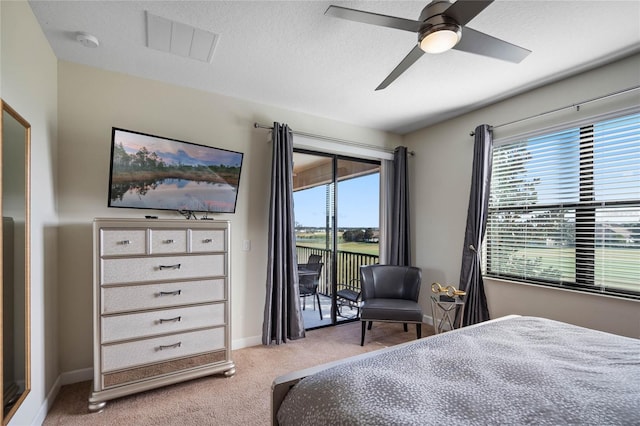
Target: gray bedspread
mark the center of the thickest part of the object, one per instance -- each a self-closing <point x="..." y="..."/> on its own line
<point x="522" y="370"/>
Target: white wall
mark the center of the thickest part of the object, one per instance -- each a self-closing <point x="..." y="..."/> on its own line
<point x="91" y="101"/>
<point x="440" y="178"/>
<point x="29" y="85"/>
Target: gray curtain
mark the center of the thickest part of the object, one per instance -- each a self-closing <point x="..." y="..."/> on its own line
<point x="282" y="314"/>
<point x="475" y="309"/>
<point x="386" y="191"/>
<point x="400" y="248"/>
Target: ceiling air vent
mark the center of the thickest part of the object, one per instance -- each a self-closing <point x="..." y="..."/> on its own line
<point x="180" y="39"/>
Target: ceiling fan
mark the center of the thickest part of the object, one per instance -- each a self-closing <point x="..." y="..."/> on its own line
<point x="441" y="26"/>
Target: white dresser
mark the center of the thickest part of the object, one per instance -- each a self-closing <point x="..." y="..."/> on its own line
<point x="160" y="303"/>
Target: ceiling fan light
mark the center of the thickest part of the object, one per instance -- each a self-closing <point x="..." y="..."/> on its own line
<point x="441" y="39"/>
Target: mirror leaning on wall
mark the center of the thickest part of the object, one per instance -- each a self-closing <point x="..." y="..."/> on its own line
<point x="15" y="144"/>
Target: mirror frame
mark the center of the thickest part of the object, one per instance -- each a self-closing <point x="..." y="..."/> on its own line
<point x="27" y="260"/>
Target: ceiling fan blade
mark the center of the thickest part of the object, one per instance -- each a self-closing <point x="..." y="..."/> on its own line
<point x="473" y="41"/>
<point x="374" y="18"/>
<point x="464" y="11"/>
<point x="408" y="60"/>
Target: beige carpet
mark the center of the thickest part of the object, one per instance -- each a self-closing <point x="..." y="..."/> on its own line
<point x="243" y="399"/>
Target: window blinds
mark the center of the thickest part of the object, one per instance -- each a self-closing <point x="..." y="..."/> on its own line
<point x="565" y="208"/>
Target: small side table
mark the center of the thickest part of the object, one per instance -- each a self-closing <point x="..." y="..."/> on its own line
<point x="447" y="311"/>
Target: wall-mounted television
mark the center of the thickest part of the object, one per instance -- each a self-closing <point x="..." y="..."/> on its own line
<point x="158" y="173"/>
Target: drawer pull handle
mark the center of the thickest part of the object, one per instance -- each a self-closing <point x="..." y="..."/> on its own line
<point x="176" y="266"/>
<point x="207" y="240"/>
<point x="168" y="241"/>
<point x="176" y="319"/>
<point x="174" y="346"/>
<point x="124" y="242"/>
<point x="171" y="293"/>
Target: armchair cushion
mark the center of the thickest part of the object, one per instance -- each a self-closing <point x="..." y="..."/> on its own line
<point x="395" y="310"/>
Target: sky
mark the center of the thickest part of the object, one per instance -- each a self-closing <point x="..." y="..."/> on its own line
<point x="168" y="148"/>
<point x="358" y="204"/>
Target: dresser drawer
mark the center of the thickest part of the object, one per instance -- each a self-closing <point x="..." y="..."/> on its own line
<point x="122" y="242"/>
<point x="164" y="241"/>
<point x="150" y="296"/>
<point x="208" y="240"/>
<point x="146" y="351"/>
<point x="141" y="269"/>
<point x="152" y="323"/>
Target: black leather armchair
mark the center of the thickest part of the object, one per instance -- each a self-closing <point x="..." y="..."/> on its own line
<point x="390" y="294"/>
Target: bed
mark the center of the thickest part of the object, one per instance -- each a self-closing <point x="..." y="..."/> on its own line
<point x="512" y="370"/>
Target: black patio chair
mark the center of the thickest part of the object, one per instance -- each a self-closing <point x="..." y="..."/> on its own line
<point x="349" y="296"/>
<point x="309" y="278"/>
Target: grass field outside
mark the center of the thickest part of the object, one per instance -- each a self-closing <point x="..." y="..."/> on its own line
<point x="621" y="266"/>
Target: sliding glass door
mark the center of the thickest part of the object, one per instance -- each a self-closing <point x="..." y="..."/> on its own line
<point x="336" y="206"/>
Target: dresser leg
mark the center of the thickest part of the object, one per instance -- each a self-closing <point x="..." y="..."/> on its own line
<point x="230" y="372"/>
<point x="97" y="407"/>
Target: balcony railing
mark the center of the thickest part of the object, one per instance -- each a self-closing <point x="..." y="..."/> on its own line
<point x="348" y="267"/>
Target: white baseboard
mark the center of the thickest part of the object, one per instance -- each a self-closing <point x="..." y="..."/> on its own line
<point x="427" y="319"/>
<point x="246" y="342"/>
<point x="76" y="376"/>
<point x="66" y="378"/>
<point x="47" y="403"/>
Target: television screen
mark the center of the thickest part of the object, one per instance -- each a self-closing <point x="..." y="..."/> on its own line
<point x="153" y="172"/>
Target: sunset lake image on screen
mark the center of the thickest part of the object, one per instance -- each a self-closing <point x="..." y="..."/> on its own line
<point x="151" y="172"/>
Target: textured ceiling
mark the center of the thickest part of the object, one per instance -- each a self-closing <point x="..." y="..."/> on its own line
<point x="288" y="54"/>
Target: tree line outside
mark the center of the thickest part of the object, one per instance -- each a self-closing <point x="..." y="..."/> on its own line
<point x="148" y="166"/>
<point x="354" y="240"/>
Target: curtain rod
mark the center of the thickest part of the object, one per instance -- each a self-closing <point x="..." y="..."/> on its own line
<point x="326" y="138"/>
<point x="576" y="106"/>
